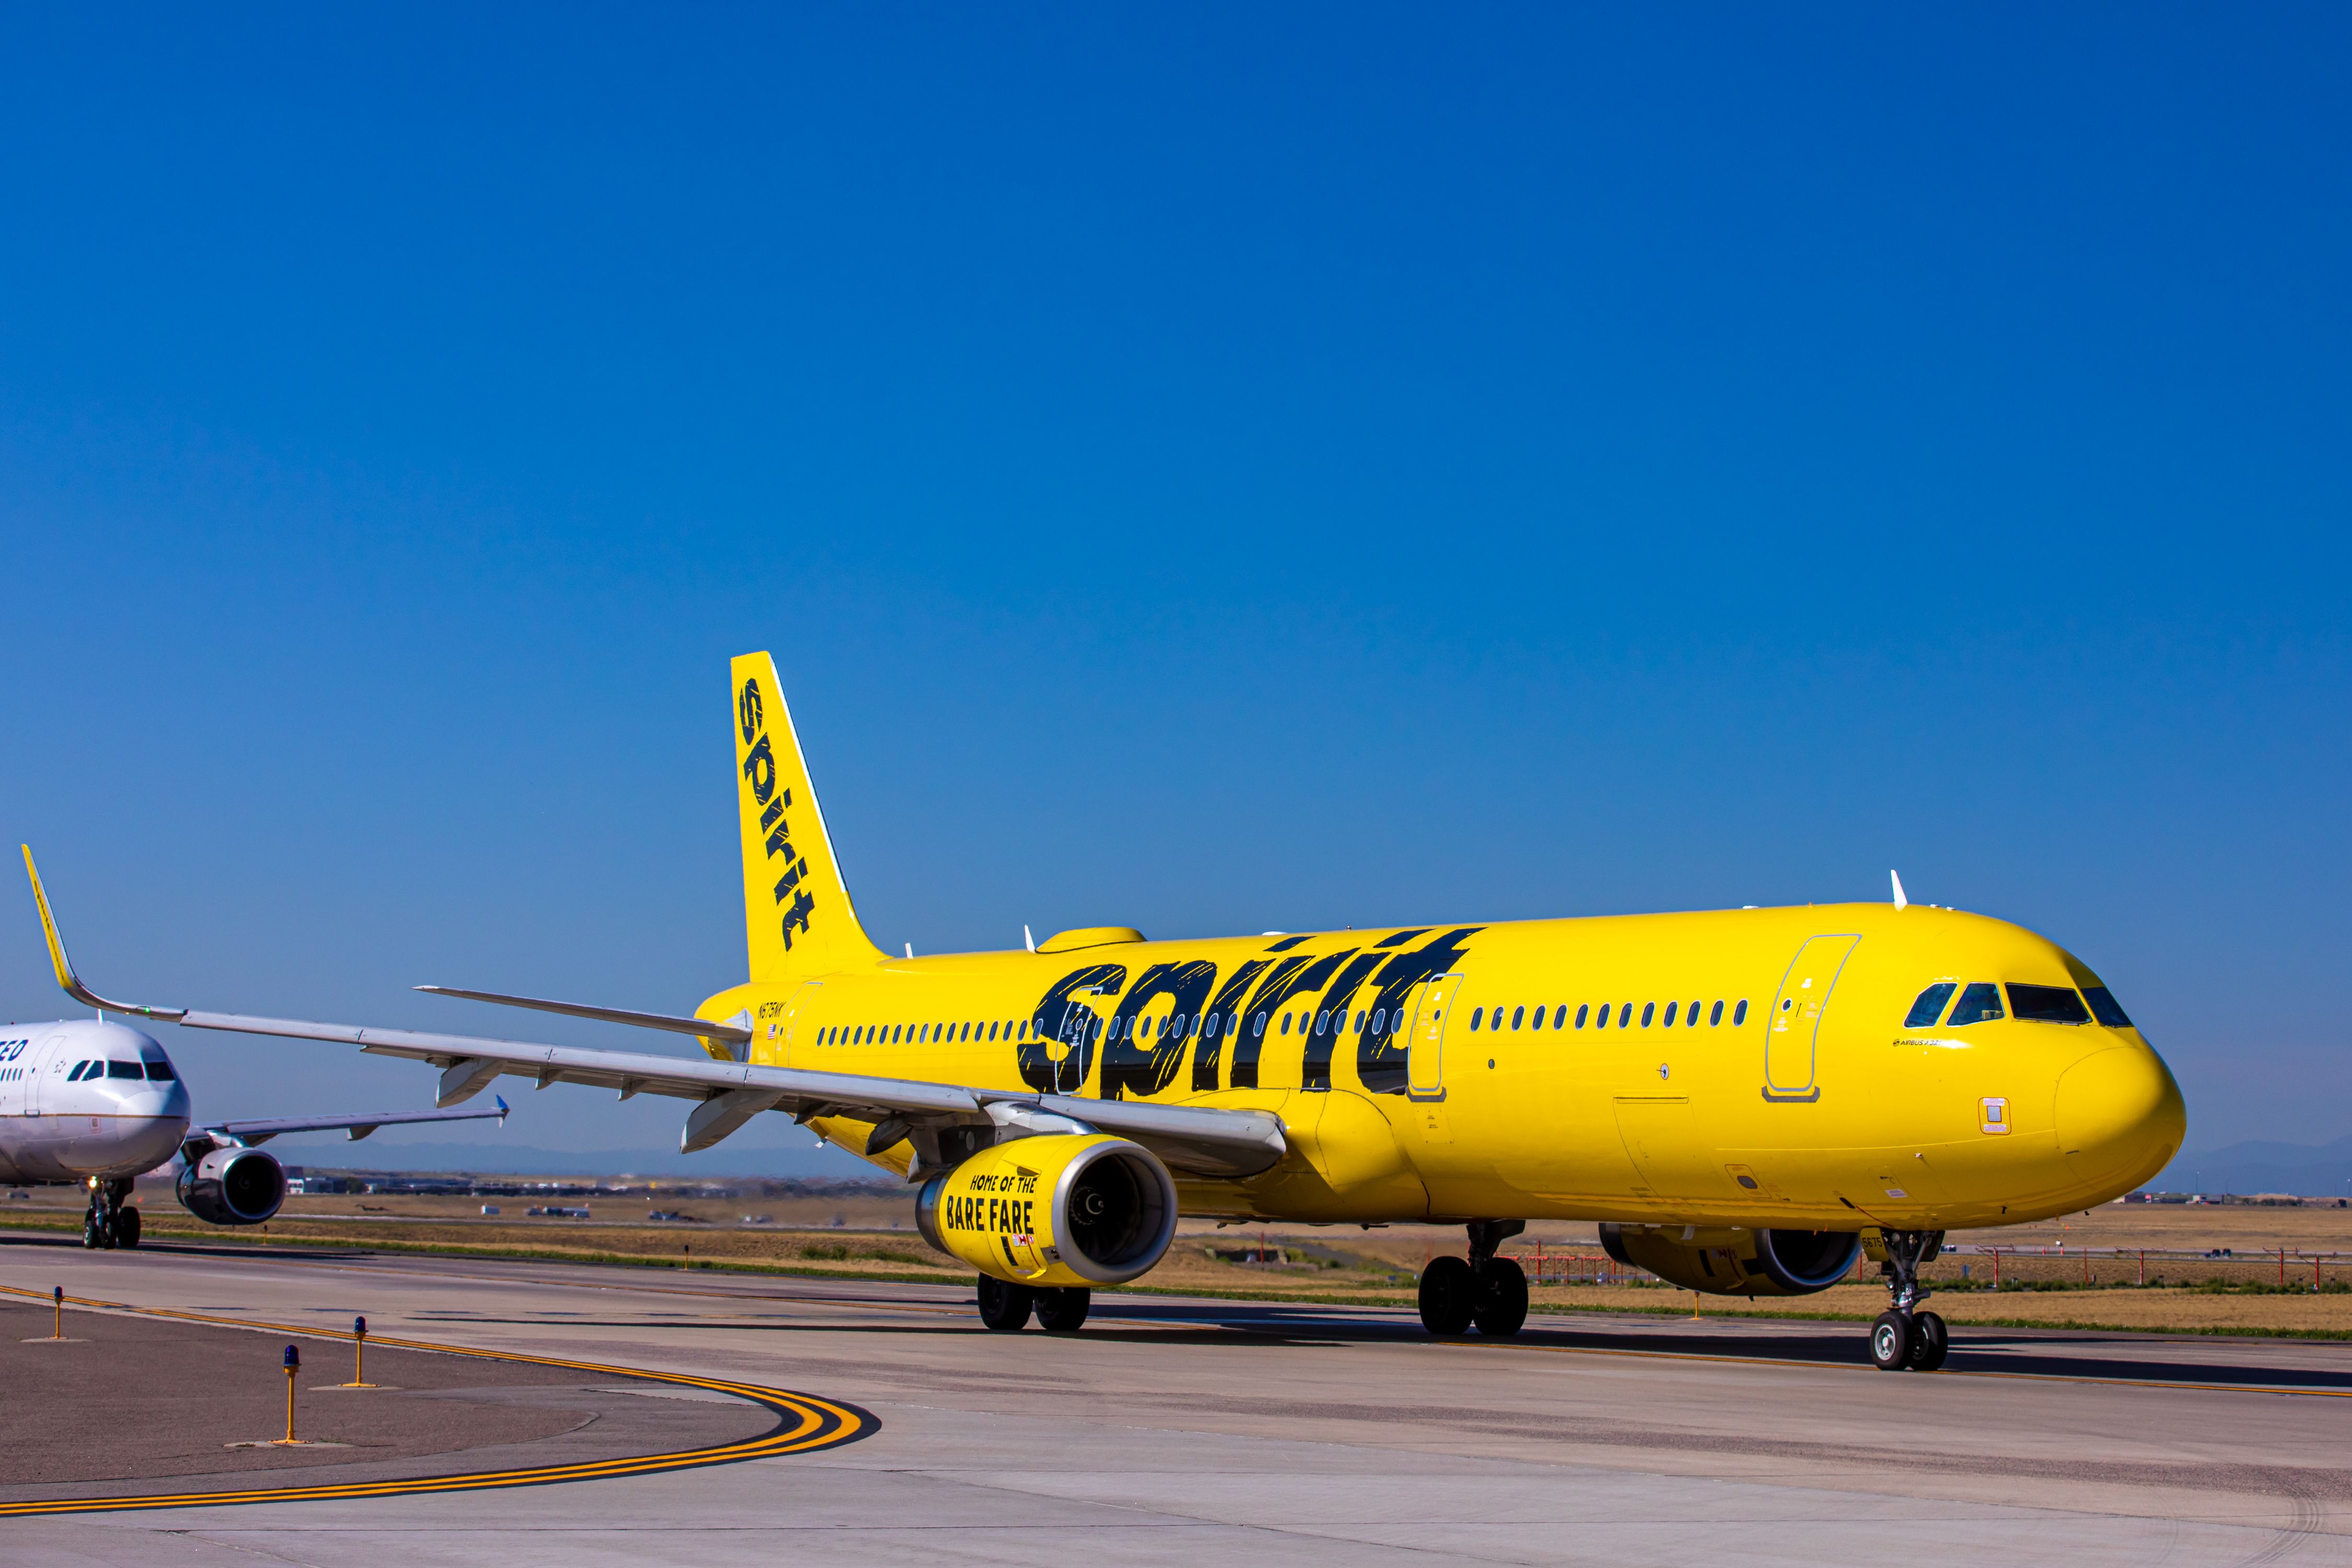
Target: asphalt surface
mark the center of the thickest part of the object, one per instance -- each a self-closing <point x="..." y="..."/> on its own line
<point x="1169" y="1431"/>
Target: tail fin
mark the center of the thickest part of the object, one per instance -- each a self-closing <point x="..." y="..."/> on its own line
<point x="797" y="916"/>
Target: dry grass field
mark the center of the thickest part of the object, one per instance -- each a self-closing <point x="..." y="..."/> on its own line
<point x="2082" y="1269"/>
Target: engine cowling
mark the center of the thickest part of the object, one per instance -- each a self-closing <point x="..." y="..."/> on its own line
<point x="233" y="1186"/>
<point x="1062" y="1209"/>
<point x="1737" y="1262"/>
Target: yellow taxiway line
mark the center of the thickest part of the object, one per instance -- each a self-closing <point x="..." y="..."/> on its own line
<point x="806" y="1425"/>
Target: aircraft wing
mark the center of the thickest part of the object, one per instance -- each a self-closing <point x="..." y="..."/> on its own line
<point x="1198" y="1139"/>
<point x="251" y="1134"/>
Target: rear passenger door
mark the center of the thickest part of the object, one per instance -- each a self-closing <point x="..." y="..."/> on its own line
<point x="1794" y="1025"/>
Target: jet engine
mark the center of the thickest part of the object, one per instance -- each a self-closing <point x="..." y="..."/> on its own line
<point x="1055" y="1210"/>
<point x="1727" y="1261"/>
<point x="233" y="1186"/>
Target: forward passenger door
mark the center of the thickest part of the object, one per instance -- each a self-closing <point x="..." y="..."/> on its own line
<point x="1792" y="1026"/>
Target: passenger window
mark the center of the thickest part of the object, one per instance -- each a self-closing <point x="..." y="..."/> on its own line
<point x="1258" y="1027"/>
<point x="1980" y="1004"/>
<point x="1475" y="1013"/>
<point x="1379" y="1019"/>
<point x="1359" y="1020"/>
<point x="2048" y="1005"/>
<point x="1285" y="1023"/>
<point x="2103" y="1007"/>
<point x="1647" y="1008"/>
<point x="1739" y="1014"/>
<point x="1580" y="1015"/>
<point x="1518" y="1016"/>
<point x="1930" y="1004"/>
<point x="1600" y="1019"/>
<point x="1670" y="1015"/>
<point x="1536" y="1022"/>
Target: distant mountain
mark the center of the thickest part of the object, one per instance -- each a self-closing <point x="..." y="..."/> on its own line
<point x="508" y="1159"/>
<point x="2259" y="1165"/>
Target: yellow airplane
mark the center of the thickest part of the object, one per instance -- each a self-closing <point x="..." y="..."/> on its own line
<point x="1747" y="1100"/>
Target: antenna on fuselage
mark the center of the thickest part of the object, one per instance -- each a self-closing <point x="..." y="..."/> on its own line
<point x="1896" y="877"/>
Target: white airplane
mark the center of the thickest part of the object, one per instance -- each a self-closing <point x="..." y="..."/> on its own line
<point x="98" y="1104"/>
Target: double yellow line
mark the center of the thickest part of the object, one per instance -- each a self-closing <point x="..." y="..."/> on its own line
<point x="805" y="1424"/>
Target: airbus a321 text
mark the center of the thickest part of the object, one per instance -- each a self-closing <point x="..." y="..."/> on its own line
<point x="1746" y="1101"/>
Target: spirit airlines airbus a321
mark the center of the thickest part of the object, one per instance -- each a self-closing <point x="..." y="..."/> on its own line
<point x="1746" y="1099"/>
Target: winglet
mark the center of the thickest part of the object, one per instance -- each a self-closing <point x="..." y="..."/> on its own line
<point x="67" y="978"/>
<point x="503" y="1108"/>
<point x="1896" y="877"/>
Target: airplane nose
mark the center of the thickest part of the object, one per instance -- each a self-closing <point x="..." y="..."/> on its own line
<point x="2120" y="1116"/>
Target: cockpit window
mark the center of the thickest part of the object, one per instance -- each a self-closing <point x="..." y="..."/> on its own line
<point x="1980" y="1004"/>
<point x="1930" y="1004"/>
<point x="160" y="1072"/>
<point x="2103" y="1007"/>
<point x="124" y="1070"/>
<point x="2048" y="1005"/>
<point x="80" y="1071"/>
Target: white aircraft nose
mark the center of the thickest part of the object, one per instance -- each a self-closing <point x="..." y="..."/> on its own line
<point x="154" y="1139"/>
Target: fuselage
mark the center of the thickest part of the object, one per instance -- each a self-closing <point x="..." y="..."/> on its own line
<point x="1790" y="1068"/>
<point x="80" y="1098"/>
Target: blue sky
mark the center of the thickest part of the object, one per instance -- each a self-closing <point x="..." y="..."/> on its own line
<point x="1210" y="472"/>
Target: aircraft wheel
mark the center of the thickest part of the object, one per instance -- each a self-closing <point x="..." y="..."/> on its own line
<point x="1930" y="1342"/>
<point x="1063" y="1311"/>
<point x="1006" y="1307"/>
<point x="93" y="1232"/>
<point x="127" y="1225"/>
<point x="1501" y="1308"/>
<point x="1449" y="1295"/>
<point x="1890" y="1341"/>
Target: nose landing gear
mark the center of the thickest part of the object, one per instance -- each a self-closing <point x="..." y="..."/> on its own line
<point x="1905" y="1339"/>
<point x="110" y="1220"/>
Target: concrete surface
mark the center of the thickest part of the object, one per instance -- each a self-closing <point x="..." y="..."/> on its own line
<point x="1189" y="1431"/>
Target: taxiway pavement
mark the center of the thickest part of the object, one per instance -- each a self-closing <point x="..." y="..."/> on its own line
<point x="1183" y="1431"/>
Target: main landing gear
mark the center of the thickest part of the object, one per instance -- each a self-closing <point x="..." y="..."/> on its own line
<point x="1487" y="1290"/>
<point x="1006" y="1308"/>
<point x="111" y="1221"/>
<point x="1905" y="1339"/>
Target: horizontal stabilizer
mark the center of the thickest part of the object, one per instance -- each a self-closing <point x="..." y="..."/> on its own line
<point x="733" y="1034"/>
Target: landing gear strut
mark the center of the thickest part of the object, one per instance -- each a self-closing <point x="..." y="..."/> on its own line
<point x="1488" y="1290"/>
<point x="110" y="1220"/>
<point x="1905" y="1339"/>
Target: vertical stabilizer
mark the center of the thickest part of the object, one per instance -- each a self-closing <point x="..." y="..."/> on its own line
<point x="797" y="916"/>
